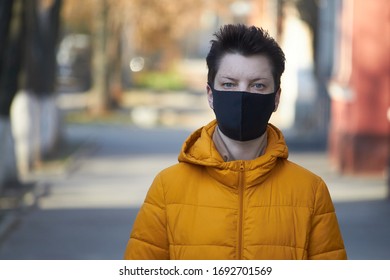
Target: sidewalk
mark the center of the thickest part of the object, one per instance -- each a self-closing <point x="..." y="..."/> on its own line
<point x="343" y="188"/>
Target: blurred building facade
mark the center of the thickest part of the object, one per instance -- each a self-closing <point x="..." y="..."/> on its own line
<point x="354" y="61"/>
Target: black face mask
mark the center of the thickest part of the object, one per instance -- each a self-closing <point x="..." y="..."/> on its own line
<point x="242" y="115"/>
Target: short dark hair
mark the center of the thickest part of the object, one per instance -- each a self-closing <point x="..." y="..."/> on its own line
<point x="244" y="40"/>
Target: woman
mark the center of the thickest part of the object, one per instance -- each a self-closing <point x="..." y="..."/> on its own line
<point x="234" y="194"/>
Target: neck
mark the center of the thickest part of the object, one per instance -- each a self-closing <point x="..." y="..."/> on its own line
<point x="239" y="150"/>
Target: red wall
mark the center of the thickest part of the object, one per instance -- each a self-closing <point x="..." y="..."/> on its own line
<point x="360" y="129"/>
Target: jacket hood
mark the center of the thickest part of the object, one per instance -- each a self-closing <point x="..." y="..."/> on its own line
<point x="199" y="149"/>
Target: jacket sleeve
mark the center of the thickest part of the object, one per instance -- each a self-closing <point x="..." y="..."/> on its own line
<point x="148" y="239"/>
<point x="326" y="241"/>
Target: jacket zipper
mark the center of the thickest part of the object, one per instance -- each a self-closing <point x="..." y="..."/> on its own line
<point x="240" y="210"/>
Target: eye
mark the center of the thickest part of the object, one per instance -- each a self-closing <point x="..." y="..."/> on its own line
<point x="228" y="85"/>
<point x="259" y="86"/>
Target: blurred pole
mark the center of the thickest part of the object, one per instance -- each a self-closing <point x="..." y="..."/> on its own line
<point x="5" y="19"/>
<point x="99" y="92"/>
<point x="8" y="173"/>
<point x="5" y="23"/>
<point x="115" y="56"/>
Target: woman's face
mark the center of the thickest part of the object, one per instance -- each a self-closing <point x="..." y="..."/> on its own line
<point x="244" y="73"/>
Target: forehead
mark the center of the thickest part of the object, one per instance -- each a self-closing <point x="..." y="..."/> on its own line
<point x="239" y="66"/>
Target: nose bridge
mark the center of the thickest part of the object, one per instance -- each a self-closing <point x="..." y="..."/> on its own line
<point x="243" y="86"/>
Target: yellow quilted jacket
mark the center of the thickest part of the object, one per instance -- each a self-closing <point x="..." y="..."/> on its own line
<point x="266" y="208"/>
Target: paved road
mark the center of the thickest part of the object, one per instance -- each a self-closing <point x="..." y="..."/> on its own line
<point x="88" y="209"/>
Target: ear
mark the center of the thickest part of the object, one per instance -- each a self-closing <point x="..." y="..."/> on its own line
<point x="277" y="99"/>
<point x="210" y="96"/>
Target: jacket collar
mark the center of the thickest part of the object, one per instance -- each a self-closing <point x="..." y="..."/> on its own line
<point x="199" y="149"/>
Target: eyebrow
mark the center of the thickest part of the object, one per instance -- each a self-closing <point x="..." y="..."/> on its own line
<point x="251" y="80"/>
<point x="228" y="78"/>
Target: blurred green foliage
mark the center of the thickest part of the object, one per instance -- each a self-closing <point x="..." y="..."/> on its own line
<point x="156" y="80"/>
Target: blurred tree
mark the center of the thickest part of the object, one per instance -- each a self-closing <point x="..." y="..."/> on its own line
<point x="42" y="30"/>
<point x="11" y="34"/>
<point x="151" y="28"/>
<point x="31" y="78"/>
<point x="7" y="46"/>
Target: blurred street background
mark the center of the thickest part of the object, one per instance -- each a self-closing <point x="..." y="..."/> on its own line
<point x="97" y="97"/>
